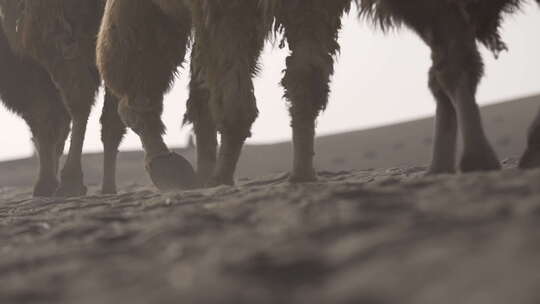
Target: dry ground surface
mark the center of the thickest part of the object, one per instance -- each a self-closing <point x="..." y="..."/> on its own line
<point x="372" y="236"/>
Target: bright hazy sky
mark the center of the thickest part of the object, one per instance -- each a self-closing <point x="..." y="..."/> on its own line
<point x="380" y="79"/>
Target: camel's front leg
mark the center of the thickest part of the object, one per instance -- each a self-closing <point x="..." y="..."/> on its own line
<point x="49" y="124"/>
<point x="78" y="83"/>
<point x="458" y="68"/>
<point x="139" y="49"/>
<point x="112" y="132"/>
<point x="199" y="113"/>
<point x="445" y="138"/>
<point x="230" y="40"/>
<point x="311" y="29"/>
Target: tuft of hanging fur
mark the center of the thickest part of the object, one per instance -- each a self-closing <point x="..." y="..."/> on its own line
<point x="485" y="16"/>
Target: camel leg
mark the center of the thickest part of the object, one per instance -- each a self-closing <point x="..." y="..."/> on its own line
<point x="230" y="43"/>
<point x="112" y="132"/>
<point x="138" y="63"/>
<point x="198" y="113"/>
<point x="458" y="68"/>
<point x="60" y="146"/>
<point x="444" y="148"/>
<point x="46" y="139"/>
<point x="78" y="84"/>
<point x="313" y="42"/>
<point x="531" y="157"/>
<point x="49" y="124"/>
<point x="66" y="49"/>
<point x="27" y="89"/>
<point x="47" y="181"/>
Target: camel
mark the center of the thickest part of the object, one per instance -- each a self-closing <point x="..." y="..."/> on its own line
<point x="138" y="60"/>
<point x="452" y="28"/>
<point x="49" y="46"/>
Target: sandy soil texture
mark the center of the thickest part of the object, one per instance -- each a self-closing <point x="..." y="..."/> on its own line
<point x="373" y="236"/>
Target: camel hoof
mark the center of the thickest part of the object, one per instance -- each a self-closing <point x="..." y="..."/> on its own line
<point x="45" y="188"/>
<point x="530" y="159"/>
<point x="172" y="172"/>
<point x="480" y="162"/>
<point x="71" y="189"/>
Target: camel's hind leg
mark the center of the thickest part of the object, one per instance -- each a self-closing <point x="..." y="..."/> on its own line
<point x="68" y="54"/>
<point x="139" y="49"/>
<point x="531" y="157"/>
<point x="78" y="83"/>
<point x="27" y="88"/>
<point x="444" y="148"/>
<point x="112" y="132"/>
<point x="311" y="29"/>
<point x="458" y="68"/>
<point x="49" y="134"/>
<point x="198" y="113"/>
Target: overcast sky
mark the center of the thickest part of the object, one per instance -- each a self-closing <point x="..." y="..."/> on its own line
<point x="380" y="79"/>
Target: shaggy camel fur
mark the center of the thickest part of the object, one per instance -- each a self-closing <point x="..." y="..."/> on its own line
<point x="138" y="61"/>
<point x="138" y="51"/>
<point x="451" y="28"/>
<point x="59" y="35"/>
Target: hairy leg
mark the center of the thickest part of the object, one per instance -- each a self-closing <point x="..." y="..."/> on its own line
<point x="60" y="35"/>
<point x="47" y="133"/>
<point x="138" y="61"/>
<point x="531" y="157"/>
<point x="78" y="85"/>
<point x="27" y="89"/>
<point x="444" y="148"/>
<point x="112" y="132"/>
<point x="49" y="123"/>
<point x="458" y="68"/>
<point x="198" y="113"/>
<point x="311" y="29"/>
<point x="230" y="37"/>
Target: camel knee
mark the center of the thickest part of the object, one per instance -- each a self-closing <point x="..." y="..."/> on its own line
<point x="198" y="112"/>
<point x="141" y="116"/>
<point x="233" y="106"/>
<point x="458" y="70"/>
<point x="198" y="109"/>
<point x="238" y="121"/>
<point x="113" y="129"/>
<point x="313" y="43"/>
<point x="306" y="82"/>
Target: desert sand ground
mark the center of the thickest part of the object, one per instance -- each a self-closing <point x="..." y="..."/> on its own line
<point x="374" y="236"/>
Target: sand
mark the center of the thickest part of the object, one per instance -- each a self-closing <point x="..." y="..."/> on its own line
<point x="372" y="236"/>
